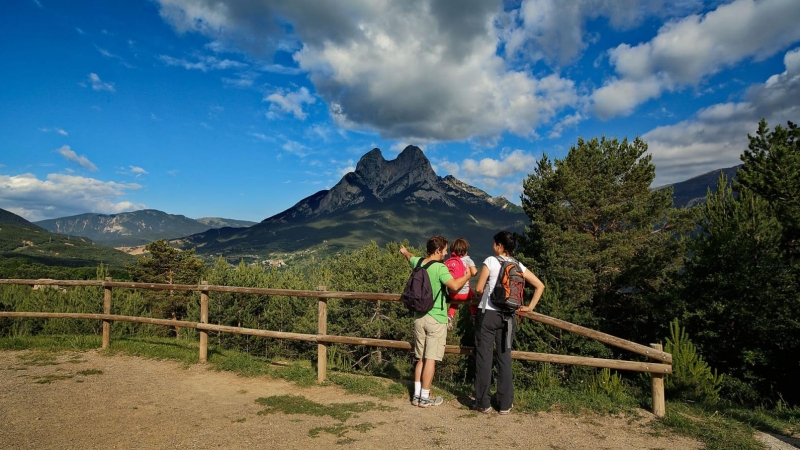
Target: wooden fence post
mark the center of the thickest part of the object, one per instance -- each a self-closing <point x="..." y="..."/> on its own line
<point x="657" y="385"/>
<point x="107" y="310"/>
<point x="322" y="328"/>
<point x="204" y="319"/>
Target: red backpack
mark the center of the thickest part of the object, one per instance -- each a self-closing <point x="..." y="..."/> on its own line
<point x="456" y="266"/>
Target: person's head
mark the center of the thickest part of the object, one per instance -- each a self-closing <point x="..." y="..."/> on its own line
<point x="460" y="247"/>
<point x="436" y="247"/>
<point x="505" y="242"/>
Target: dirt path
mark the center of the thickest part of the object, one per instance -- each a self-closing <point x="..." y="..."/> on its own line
<point x="145" y="404"/>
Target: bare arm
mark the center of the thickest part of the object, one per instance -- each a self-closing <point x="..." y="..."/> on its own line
<point x="404" y="251"/>
<point x="482" y="279"/>
<point x="538" y="289"/>
<point x="455" y="284"/>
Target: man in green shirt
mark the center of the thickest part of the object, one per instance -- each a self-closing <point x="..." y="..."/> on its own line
<point x="430" y="329"/>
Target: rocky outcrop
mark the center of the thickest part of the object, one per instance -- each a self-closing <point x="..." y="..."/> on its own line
<point x="409" y="179"/>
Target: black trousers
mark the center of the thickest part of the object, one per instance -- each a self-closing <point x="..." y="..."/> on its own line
<point x="491" y="331"/>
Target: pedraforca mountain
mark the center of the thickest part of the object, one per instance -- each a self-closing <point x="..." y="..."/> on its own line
<point x="408" y="180"/>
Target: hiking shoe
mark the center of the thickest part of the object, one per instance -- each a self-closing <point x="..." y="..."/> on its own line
<point x="486" y="410"/>
<point x="415" y="400"/>
<point x="430" y="401"/>
<point x="505" y="412"/>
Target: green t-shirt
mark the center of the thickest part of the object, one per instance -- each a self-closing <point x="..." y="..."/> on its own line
<point x="439" y="275"/>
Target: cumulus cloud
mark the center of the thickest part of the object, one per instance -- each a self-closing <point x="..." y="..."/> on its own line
<point x="415" y="70"/>
<point x="717" y="135"/>
<point x="509" y="164"/>
<point x="63" y="195"/>
<point x="291" y="102"/>
<point x="555" y="30"/>
<point x="100" y="85"/>
<point x="686" y="51"/>
<point x="82" y="160"/>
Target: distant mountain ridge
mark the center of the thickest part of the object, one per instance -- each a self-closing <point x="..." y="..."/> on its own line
<point x="380" y="201"/>
<point x="22" y="240"/>
<point x="133" y="228"/>
<point x="693" y="191"/>
<point x="9" y="218"/>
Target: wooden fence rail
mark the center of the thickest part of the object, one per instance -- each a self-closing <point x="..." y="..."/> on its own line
<point x="660" y="364"/>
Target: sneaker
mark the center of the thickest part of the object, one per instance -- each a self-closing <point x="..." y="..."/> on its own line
<point x="505" y="412"/>
<point x="415" y="400"/>
<point x="486" y="410"/>
<point x="430" y="401"/>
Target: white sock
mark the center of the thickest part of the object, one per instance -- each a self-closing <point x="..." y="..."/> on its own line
<point x="417" y="388"/>
<point x="425" y="393"/>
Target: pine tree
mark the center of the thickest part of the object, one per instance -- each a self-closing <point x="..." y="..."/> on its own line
<point x="604" y="237"/>
<point x="167" y="265"/>
<point x="772" y="171"/>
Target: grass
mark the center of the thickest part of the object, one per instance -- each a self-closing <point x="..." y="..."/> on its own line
<point x="716" y="429"/>
<point x="719" y="427"/>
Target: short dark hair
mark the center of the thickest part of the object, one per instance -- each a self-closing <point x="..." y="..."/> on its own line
<point x="436" y="243"/>
<point x="507" y="239"/>
<point x="460" y="247"/>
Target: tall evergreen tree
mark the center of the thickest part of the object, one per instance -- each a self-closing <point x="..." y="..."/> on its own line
<point x="772" y="171"/>
<point x="742" y="282"/>
<point x="603" y="237"/>
<point x="740" y="303"/>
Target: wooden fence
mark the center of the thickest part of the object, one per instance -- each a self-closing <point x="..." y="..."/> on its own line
<point x="660" y="363"/>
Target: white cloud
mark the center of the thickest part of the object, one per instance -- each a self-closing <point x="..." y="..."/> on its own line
<point x="54" y="130"/>
<point x="82" y="160"/>
<point x="291" y="102"/>
<point x="296" y="148"/>
<point x="262" y="137"/>
<point x="555" y="30"/>
<point x="717" y="135"/>
<point x="100" y="85"/>
<point x="202" y="63"/>
<point x="137" y="171"/>
<point x="686" y="51"/>
<point x="242" y="80"/>
<point x="417" y="71"/>
<point x="509" y="164"/>
<point x="63" y="195"/>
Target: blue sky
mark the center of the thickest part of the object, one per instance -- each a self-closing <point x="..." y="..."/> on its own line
<point x="241" y="108"/>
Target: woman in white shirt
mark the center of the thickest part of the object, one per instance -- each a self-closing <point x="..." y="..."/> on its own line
<point x="496" y="328"/>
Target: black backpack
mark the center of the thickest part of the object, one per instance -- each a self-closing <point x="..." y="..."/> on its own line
<point x="418" y="293"/>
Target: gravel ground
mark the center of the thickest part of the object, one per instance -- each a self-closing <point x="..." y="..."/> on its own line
<point x="141" y="403"/>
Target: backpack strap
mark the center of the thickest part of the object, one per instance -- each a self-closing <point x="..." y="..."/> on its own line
<point x="441" y="288"/>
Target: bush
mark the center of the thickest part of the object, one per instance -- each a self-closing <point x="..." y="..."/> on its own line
<point x="692" y="378"/>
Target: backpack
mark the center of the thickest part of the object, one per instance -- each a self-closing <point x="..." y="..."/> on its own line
<point x="418" y="293"/>
<point x="509" y="289"/>
<point x="456" y="266"/>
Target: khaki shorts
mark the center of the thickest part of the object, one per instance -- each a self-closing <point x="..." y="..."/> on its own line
<point x="430" y="337"/>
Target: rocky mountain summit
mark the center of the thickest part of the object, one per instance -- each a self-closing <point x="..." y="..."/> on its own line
<point x="409" y="179"/>
<point x="380" y="201"/>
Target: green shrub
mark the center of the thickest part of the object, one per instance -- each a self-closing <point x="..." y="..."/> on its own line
<point x="692" y="378"/>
